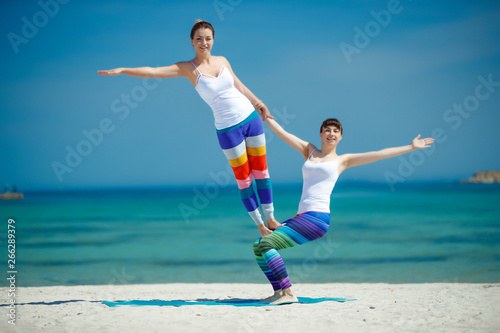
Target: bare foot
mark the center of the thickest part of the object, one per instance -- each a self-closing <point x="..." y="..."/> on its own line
<point x="277" y="295"/>
<point x="272" y="224"/>
<point x="285" y="299"/>
<point x="288" y="297"/>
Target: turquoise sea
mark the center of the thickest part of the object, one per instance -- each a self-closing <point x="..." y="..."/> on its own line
<point x="418" y="233"/>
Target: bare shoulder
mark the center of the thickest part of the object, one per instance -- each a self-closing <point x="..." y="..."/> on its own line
<point x="224" y="60"/>
<point x="344" y="158"/>
<point x="187" y="69"/>
<point x="343" y="162"/>
<point x="310" y="149"/>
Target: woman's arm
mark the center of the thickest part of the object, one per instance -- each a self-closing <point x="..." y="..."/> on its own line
<point x="351" y="160"/>
<point x="257" y="103"/>
<point x="300" y="145"/>
<point x="175" y="70"/>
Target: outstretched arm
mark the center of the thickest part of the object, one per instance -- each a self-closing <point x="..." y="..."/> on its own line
<point x="351" y="160"/>
<point x="174" y="70"/>
<point x="300" y="145"/>
<point x="257" y="103"/>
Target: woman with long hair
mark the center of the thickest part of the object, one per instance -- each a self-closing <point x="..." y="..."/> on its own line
<point x="239" y="127"/>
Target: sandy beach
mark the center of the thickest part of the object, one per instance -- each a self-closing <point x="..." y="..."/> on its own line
<point x="437" y="307"/>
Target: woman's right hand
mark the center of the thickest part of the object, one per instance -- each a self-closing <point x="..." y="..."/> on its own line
<point x="111" y="72"/>
<point x="263" y="111"/>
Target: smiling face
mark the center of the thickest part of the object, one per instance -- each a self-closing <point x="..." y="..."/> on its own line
<point x="330" y="135"/>
<point x="203" y="40"/>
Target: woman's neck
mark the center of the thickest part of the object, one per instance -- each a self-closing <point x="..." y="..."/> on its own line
<point x="200" y="58"/>
<point x="328" y="150"/>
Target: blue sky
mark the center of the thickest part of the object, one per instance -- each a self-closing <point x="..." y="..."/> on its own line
<point x="400" y="76"/>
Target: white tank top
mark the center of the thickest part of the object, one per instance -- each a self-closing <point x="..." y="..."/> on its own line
<point x="228" y="104"/>
<point x="319" y="180"/>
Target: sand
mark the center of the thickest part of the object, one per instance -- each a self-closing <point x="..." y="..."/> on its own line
<point x="437" y="307"/>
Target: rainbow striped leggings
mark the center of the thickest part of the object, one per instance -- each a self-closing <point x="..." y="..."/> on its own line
<point x="244" y="145"/>
<point x="301" y="229"/>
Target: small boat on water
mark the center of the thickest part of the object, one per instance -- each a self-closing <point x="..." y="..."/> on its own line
<point x="7" y="195"/>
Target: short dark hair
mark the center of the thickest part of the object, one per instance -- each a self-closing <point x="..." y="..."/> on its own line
<point x="331" y="122"/>
<point x="201" y="24"/>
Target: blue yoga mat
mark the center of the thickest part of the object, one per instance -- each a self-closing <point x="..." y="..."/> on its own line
<point x="233" y="302"/>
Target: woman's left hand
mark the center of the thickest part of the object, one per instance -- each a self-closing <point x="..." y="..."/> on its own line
<point x="422" y="143"/>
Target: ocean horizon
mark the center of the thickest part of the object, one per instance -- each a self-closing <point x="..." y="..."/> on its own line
<point x="421" y="232"/>
<point x="341" y="183"/>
